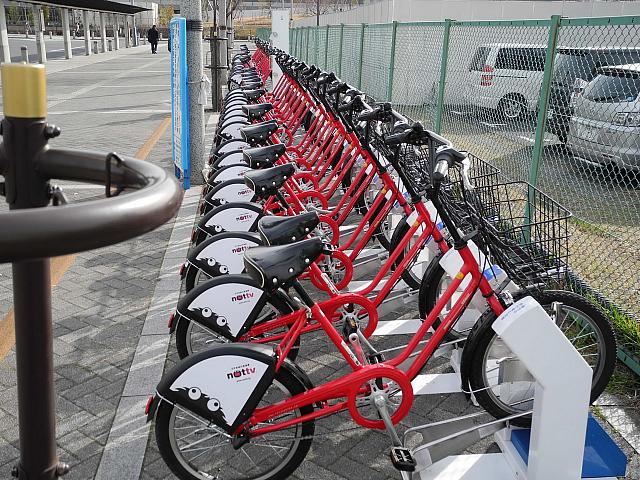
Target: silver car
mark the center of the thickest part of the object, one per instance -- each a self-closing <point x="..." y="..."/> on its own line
<point x="605" y="126"/>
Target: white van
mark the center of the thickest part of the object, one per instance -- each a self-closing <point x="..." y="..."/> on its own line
<point x="506" y="77"/>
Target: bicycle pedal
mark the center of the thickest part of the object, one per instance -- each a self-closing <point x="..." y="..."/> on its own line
<point x="402" y="459"/>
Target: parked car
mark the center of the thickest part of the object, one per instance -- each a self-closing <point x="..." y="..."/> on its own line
<point x="605" y="126"/>
<point x="506" y="78"/>
<point x="573" y="69"/>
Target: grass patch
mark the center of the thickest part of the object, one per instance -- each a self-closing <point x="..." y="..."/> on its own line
<point x="627" y="328"/>
<point x="624" y="382"/>
<point x="588" y="227"/>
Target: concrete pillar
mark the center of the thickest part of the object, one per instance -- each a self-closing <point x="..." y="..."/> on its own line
<point x="66" y="32"/>
<point x="134" y="29"/>
<point x="127" y="34"/>
<point x="38" y="20"/>
<point x="103" y="32"/>
<point x="5" y="54"/>
<point x="192" y="11"/>
<point x="222" y="51"/>
<point x="87" y="33"/>
<point x="116" y="37"/>
<point x="229" y="37"/>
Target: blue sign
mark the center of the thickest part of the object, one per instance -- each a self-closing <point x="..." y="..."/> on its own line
<point x="180" y="99"/>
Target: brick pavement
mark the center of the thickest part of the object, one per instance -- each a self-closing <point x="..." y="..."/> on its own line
<point x="103" y="104"/>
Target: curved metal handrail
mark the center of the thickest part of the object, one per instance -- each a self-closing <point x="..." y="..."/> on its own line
<point x="46" y="232"/>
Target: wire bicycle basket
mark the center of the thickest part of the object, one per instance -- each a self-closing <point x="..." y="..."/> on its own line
<point x="481" y="174"/>
<point x="524" y="231"/>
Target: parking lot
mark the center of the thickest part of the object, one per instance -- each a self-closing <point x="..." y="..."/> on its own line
<point x="602" y="200"/>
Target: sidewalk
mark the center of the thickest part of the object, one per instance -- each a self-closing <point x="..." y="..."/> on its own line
<point x="119" y="101"/>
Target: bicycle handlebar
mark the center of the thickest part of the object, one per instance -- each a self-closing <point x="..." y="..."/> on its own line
<point x="53" y="231"/>
<point x="415" y="134"/>
<point x="355" y="102"/>
<point x="326" y="77"/>
<point x="447" y="157"/>
<point x="339" y="87"/>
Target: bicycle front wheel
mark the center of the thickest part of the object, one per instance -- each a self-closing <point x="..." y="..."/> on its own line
<point x="582" y="322"/>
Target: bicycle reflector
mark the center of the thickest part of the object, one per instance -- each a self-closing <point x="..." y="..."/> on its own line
<point x="148" y="405"/>
<point x="170" y="322"/>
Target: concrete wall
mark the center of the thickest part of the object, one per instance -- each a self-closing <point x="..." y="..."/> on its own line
<point x="434" y="10"/>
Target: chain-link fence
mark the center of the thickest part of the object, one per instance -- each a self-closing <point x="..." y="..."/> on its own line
<point x="263" y="33"/>
<point x="554" y="102"/>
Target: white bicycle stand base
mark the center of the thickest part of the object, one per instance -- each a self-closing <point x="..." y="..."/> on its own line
<point x="603" y="459"/>
<point x="564" y="442"/>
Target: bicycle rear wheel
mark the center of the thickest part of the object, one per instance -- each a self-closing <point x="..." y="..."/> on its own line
<point x="195" y="449"/>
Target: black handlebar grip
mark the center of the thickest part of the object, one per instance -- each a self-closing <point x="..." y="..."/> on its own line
<point x="338" y="87"/>
<point x="355" y="102"/>
<point x="450" y="155"/>
<point x="326" y="78"/>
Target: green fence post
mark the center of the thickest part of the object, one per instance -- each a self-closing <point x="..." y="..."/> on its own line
<point x="543" y="103"/>
<point x="361" y="55"/>
<point x="541" y="124"/>
<point x="340" y="51"/>
<point x="308" y="35"/>
<point x="443" y="75"/>
<point x="316" y="46"/>
<point x="326" y="49"/>
<point x="392" y="60"/>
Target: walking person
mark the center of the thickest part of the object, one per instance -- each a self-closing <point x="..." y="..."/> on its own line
<point x="152" y="36"/>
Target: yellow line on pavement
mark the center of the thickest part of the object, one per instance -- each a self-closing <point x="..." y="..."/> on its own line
<point x="145" y="149"/>
<point x="59" y="265"/>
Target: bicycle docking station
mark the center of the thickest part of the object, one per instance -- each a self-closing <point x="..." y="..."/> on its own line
<point x="564" y="441"/>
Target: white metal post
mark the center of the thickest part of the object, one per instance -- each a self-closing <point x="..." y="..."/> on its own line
<point x="127" y="35"/>
<point x="5" y="53"/>
<point x="134" y="29"/>
<point x="116" y="37"/>
<point x="103" y="31"/>
<point x="279" y="36"/>
<point x="563" y="388"/>
<point x="66" y="32"/>
<point x="38" y="20"/>
<point x="229" y="36"/>
<point x="87" y="34"/>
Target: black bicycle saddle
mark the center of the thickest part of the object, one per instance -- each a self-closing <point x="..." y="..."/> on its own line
<point x="275" y="267"/>
<point x="276" y="230"/>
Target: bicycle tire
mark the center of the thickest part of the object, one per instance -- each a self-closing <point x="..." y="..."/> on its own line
<point x="408" y="275"/>
<point x="165" y="436"/>
<point x="362" y="207"/>
<point x="184" y="330"/>
<point x="482" y="336"/>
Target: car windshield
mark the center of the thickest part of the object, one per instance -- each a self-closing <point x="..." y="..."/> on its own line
<point x="613" y="87"/>
<point x="570" y="65"/>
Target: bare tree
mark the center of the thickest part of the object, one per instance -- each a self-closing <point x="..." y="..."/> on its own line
<point x="234" y="7"/>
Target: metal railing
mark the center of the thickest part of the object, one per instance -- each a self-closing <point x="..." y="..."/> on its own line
<point x="554" y="102"/>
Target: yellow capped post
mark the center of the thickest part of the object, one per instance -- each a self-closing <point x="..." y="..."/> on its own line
<point x="24" y="90"/>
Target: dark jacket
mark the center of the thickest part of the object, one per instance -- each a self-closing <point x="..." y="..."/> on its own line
<point x="152" y="35"/>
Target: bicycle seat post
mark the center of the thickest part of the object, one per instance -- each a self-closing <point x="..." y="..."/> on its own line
<point x="25" y="134"/>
